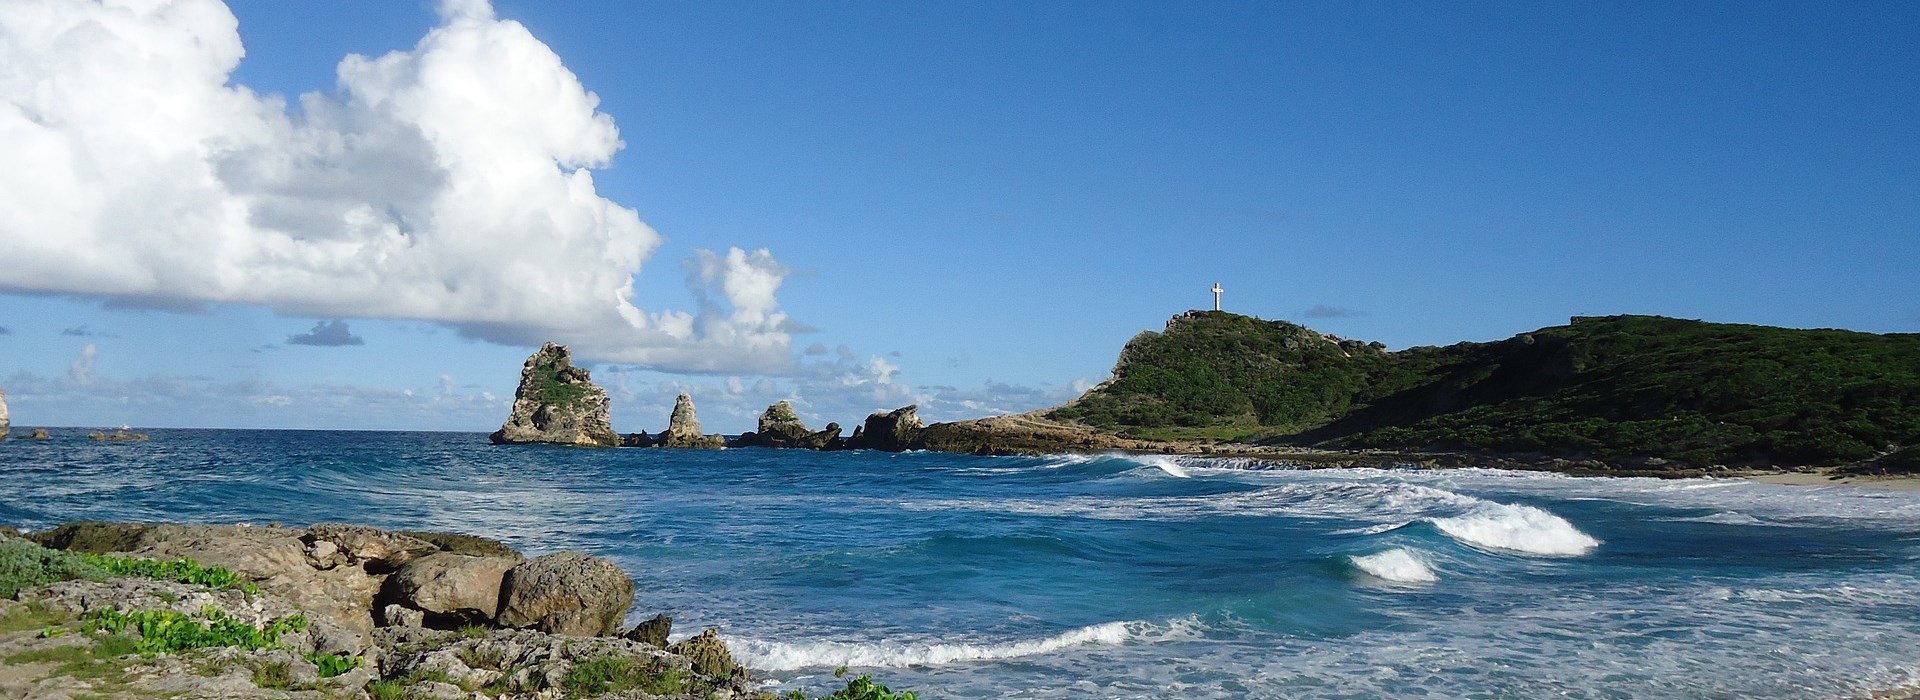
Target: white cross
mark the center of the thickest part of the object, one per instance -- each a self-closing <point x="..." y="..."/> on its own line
<point x="1216" y="296"/>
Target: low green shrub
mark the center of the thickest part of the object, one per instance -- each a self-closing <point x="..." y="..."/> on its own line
<point x="612" y="674"/>
<point x="863" y="688"/>
<point x="168" y="631"/>
<point x="24" y="564"/>
<point x="178" y="570"/>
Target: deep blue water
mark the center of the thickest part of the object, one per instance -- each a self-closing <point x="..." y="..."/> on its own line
<point x="1104" y="576"/>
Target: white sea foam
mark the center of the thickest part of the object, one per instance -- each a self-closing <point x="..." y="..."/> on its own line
<point x="1399" y="565"/>
<point x="1722" y="518"/>
<point x="1169" y="466"/>
<point x="1517" y="528"/>
<point x="788" y="656"/>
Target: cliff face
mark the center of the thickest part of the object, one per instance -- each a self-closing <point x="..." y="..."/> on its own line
<point x="1615" y="386"/>
<point x="5" y="425"/>
<point x="557" y="403"/>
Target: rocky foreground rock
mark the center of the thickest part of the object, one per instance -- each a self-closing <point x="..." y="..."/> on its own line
<point x="380" y="614"/>
<point x="557" y="403"/>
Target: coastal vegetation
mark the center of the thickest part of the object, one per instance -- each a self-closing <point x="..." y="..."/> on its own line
<point x="1613" y="387"/>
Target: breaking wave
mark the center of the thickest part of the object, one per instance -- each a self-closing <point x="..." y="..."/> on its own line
<point x="1517" y="528"/>
<point x="788" y="656"/>
<point x="1399" y="565"/>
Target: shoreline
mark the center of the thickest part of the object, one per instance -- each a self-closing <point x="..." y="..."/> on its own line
<point x="1030" y="434"/>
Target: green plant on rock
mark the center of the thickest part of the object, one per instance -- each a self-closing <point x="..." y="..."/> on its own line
<point x="168" y="631"/>
<point x="863" y="688"/>
<point x="331" y="665"/>
<point x="387" y="690"/>
<point x="612" y="674"/>
<point x="272" y="675"/>
<point x="179" y="570"/>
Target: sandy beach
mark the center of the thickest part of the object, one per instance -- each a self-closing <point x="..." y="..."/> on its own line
<point x="1831" y="478"/>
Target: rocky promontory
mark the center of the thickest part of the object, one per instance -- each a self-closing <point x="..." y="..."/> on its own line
<point x="557" y="403"/>
<point x="95" y="609"/>
<point x="6" y="424"/>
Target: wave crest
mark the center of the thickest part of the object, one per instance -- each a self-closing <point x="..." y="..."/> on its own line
<point x="788" y="656"/>
<point x="1517" y="528"/>
<point x="1399" y="565"/>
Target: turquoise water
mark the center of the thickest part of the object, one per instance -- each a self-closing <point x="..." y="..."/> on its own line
<point x="1097" y="576"/>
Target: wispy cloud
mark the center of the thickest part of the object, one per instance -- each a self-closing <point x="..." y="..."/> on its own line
<point x="1327" y="311"/>
<point x="327" y="334"/>
<point x="83" y="331"/>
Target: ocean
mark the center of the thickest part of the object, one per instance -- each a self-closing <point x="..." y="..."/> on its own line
<point x="1112" y="576"/>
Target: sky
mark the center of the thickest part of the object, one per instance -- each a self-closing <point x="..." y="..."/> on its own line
<point x="365" y="214"/>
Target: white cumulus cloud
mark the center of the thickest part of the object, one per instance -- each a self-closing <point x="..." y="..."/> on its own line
<point x="451" y="182"/>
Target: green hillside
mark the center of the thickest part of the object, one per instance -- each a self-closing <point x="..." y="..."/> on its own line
<point x="1616" y="386"/>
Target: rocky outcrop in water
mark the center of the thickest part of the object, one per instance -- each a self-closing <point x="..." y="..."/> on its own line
<point x="557" y="403"/>
<point x="683" y="430"/>
<point x="889" y="431"/>
<point x="6" y="424"/>
<point x="780" y="427"/>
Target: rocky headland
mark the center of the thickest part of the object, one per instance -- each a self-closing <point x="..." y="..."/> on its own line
<point x="1618" y="395"/>
<point x="94" y="609"/>
<point x="6" y="423"/>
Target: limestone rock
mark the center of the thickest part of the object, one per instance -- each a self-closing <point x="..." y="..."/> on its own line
<point x="39" y="434"/>
<point x="893" y="431"/>
<point x="781" y="427"/>
<point x="557" y="403"/>
<point x="684" y="428"/>
<point x="654" y="631"/>
<point x="372" y="548"/>
<point x="458" y="586"/>
<point x="640" y="439"/>
<point x="6" y="424"/>
<point x="569" y="593"/>
<point x="708" y="654"/>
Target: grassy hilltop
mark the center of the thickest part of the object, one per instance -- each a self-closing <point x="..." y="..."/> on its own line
<point x="1614" y="386"/>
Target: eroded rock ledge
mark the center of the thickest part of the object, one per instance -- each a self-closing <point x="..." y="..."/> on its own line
<point x="381" y="613"/>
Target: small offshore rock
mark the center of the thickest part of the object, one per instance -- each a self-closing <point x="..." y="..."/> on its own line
<point x="557" y="403"/>
<point x="708" y="654"/>
<point x="6" y="424"/>
<point x="570" y="593"/>
<point x="683" y="430"/>
<point x="893" y="431"/>
<point x="653" y="631"/>
<point x="639" y="439"/>
<point x="780" y="427"/>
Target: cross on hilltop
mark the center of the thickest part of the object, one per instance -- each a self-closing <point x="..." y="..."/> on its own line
<point x="1216" y="296"/>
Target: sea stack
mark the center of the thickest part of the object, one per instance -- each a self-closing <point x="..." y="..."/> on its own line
<point x="683" y="430"/>
<point x="5" y="425"/>
<point x="780" y="426"/>
<point x="557" y="403"/>
<point x="892" y="431"/>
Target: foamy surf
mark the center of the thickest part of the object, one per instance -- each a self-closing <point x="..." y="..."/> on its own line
<point x="1517" y="528"/>
<point x="789" y="656"/>
<point x="1398" y="565"/>
<point x="1170" y="467"/>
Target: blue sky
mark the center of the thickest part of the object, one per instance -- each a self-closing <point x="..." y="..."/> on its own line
<point x="967" y="205"/>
